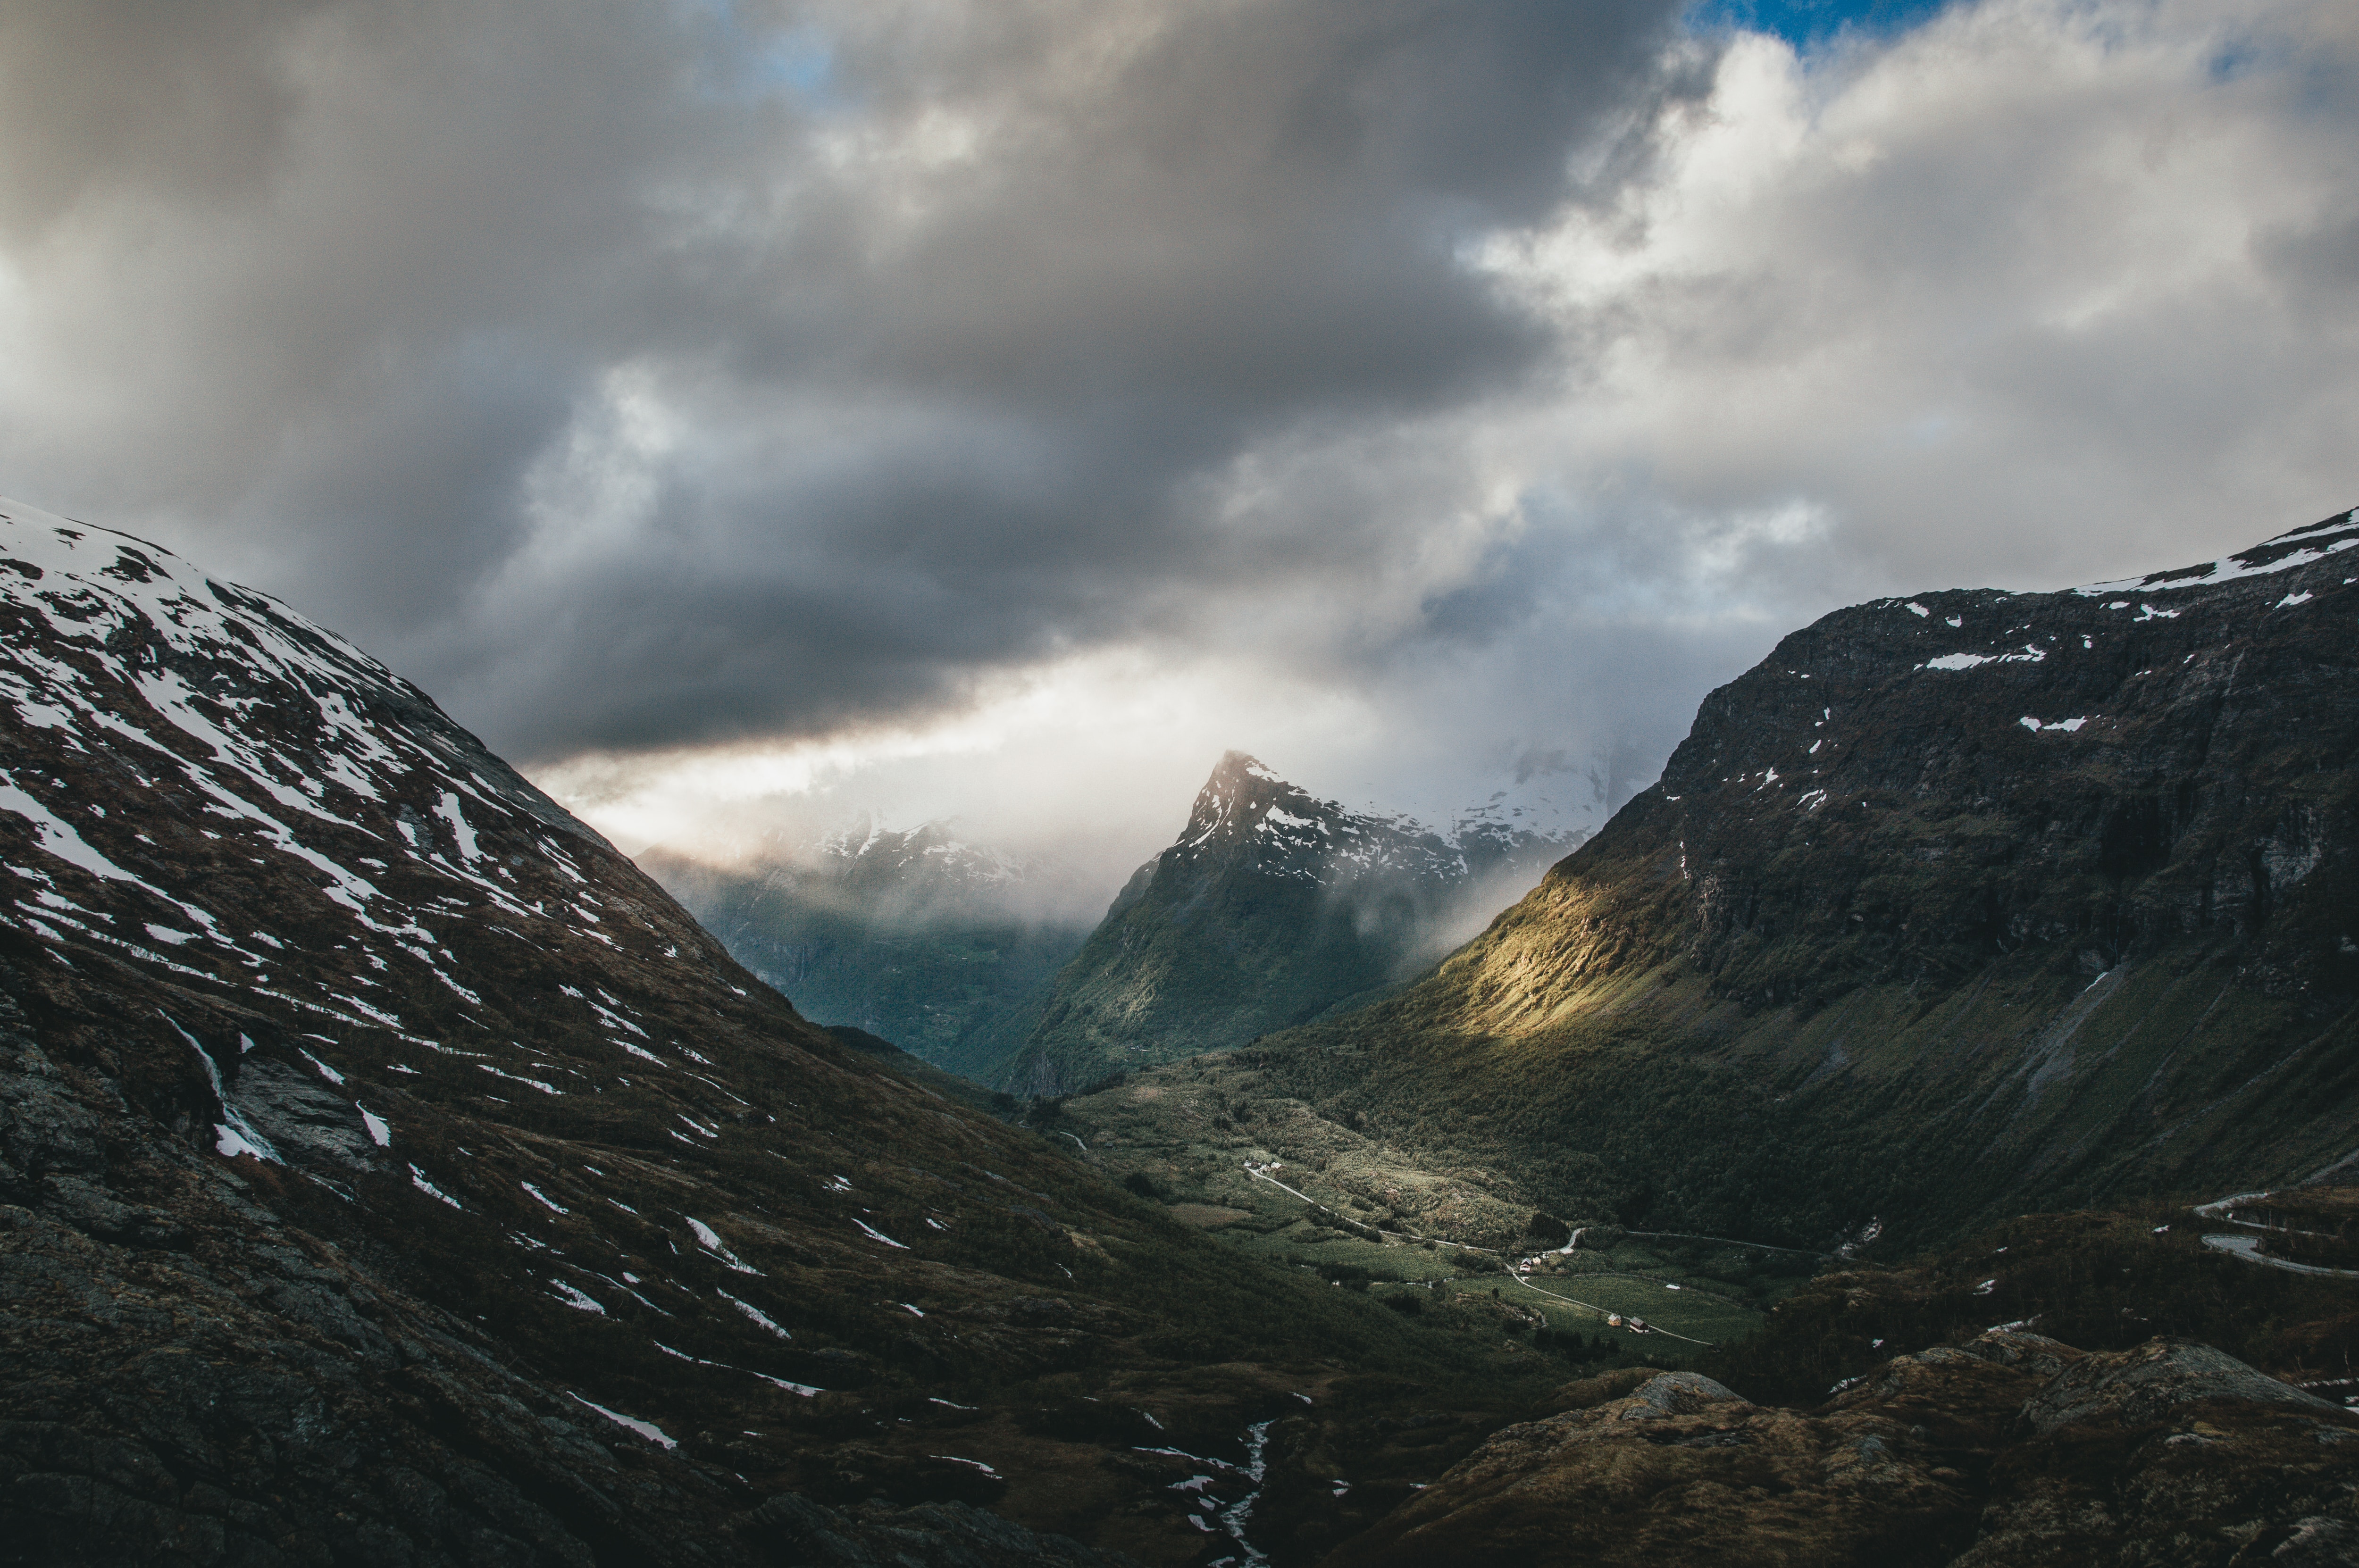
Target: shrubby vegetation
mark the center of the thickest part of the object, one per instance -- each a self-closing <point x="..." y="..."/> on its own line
<point x="2095" y="1281"/>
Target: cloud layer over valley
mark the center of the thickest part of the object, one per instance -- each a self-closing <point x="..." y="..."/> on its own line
<point x="1005" y="407"/>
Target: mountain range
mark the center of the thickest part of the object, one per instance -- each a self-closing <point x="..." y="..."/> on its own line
<point x="391" y="1172"/>
<point x="1952" y="906"/>
<point x="1271" y="907"/>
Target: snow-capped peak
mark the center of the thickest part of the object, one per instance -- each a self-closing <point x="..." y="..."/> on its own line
<point x="1246" y="807"/>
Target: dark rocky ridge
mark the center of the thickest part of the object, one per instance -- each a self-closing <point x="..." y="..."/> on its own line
<point x="1975" y="902"/>
<point x="2121" y="768"/>
<point x="1271" y="907"/>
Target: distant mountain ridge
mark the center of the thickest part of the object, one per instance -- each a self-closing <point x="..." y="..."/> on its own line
<point x="1318" y="840"/>
<point x="914" y="934"/>
<point x="1271" y="906"/>
<point x="875" y="858"/>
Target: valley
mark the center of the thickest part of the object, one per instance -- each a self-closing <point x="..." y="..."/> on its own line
<point x="1270" y="908"/>
<point x="1804" y="1169"/>
<point x="1276" y="1181"/>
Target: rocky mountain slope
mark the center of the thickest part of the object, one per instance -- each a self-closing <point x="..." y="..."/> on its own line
<point x="1954" y="905"/>
<point x="1270" y="908"/>
<point x="2143" y="1400"/>
<point x="911" y="934"/>
<point x="390" y="1171"/>
<point x="2012" y="1448"/>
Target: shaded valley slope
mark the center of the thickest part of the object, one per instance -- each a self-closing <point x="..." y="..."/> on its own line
<point x="908" y="935"/>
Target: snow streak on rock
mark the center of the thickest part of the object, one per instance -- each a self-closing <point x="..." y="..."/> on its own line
<point x="272" y="754"/>
<point x="1294" y="835"/>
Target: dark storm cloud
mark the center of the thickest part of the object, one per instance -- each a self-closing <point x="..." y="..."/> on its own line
<point x="951" y="316"/>
<point x="179" y="98"/>
<point x="1259" y="207"/>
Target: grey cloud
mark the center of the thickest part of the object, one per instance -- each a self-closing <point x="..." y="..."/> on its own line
<point x="1261" y="207"/>
<point x="420" y="247"/>
<point x="181" y="99"/>
<point x="2034" y="296"/>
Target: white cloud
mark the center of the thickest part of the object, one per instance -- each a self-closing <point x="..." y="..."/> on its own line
<point x="2005" y="299"/>
<point x="1091" y="762"/>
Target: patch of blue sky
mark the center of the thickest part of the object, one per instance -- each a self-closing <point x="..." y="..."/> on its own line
<point x="1811" y="23"/>
<point x="2237" y="59"/>
<point x="748" y="60"/>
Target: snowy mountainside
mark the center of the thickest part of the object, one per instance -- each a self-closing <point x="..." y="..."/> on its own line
<point x="286" y="757"/>
<point x="390" y="1170"/>
<point x="931" y="852"/>
<point x="1285" y="831"/>
<point x="1536" y="811"/>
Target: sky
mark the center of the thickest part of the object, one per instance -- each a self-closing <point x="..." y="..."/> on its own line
<point x="748" y="412"/>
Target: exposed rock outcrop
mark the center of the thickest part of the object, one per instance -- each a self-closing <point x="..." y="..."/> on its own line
<point x="2169" y="1454"/>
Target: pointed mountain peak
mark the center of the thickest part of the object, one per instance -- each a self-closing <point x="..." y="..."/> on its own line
<point x="1238" y="766"/>
<point x="1238" y="797"/>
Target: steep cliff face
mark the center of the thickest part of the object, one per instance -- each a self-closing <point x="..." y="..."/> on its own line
<point x="1271" y="907"/>
<point x="1972" y="899"/>
<point x="389" y="1172"/>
